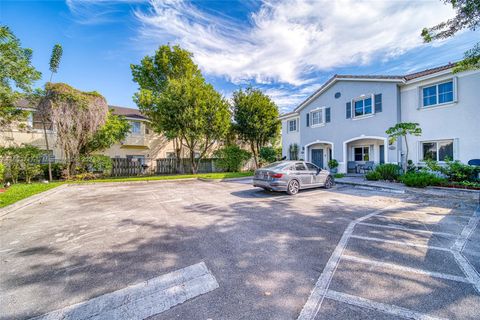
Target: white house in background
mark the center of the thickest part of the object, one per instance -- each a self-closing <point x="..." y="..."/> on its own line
<point x="346" y="118"/>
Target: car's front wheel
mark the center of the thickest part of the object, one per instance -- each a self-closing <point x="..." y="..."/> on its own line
<point x="329" y="182"/>
<point x="293" y="187"/>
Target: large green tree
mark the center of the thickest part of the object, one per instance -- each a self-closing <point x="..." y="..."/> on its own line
<point x="179" y="103"/>
<point x="256" y="119"/>
<point x="192" y="109"/>
<point x="153" y="75"/>
<point x="115" y="129"/>
<point x="467" y="16"/>
<point x="17" y="76"/>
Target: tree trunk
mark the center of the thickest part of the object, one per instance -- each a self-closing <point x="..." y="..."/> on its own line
<point x="405" y="165"/>
<point x="177" y="145"/>
<point x="193" y="162"/>
<point x="48" y="150"/>
<point x="255" y="159"/>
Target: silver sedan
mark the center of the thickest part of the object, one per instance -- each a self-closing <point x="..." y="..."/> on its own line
<point x="292" y="176"/>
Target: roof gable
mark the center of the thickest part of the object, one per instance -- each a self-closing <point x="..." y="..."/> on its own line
<point x="402" y="79"/>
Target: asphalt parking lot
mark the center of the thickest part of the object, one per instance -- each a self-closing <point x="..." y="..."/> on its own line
<point x="342" y="253"/>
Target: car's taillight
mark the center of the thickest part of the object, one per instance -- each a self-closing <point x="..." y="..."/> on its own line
<point x="276" y="175"/>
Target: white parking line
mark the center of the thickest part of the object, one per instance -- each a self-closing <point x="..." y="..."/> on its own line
<point x="403" y="243"/>
<point x="399" y="227"/>
<point x="406" y="269"/>
<point x="382" y="307"/>
<point x="144" y="299"/>
<point x="466" y="232"/>
<point x="459" y="245"/>
<point x="314" y="302"/>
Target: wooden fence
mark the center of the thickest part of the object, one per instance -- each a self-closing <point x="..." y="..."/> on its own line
<point x="169" y="166"/>
<point x="125" y="167"/>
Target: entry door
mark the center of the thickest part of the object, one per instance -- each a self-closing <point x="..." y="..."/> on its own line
<point x="382" y="154"/>
<point x="317" y="157"/>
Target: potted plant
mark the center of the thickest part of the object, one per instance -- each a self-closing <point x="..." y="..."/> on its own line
<point x="333" y="165"/>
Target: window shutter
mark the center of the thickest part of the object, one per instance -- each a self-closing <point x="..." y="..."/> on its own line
<point x="455" y="89"/>
<point x="456" y="149"/>
<point x="378" y="103"/>
<point x="308" y="119"/>
<point x="349" y="110"/>
<point x="327" y="115"/>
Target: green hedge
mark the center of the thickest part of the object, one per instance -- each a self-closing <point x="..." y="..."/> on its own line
<point x="421" y="179"/>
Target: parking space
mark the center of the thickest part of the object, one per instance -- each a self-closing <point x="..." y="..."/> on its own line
<point x="363" y="253"/>
<point x="405" y="261"/>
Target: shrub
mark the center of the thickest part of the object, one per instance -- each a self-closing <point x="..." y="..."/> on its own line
<point x="96" y="163"/>
<point x="2" y="171"/>
<point x="388" y="171"/>
<point x="411" y="166"/>
<point x="454" y="170"/>
<point x="339" y="175"/>
<point x="21" y="162"/>
<point x="231" y="158"/>
<point x="269" y="154"/>
<point x="373" y="176"/>
<point x="83" y="176"/>
<point x="30" y="162"/>
<point x="421" y="179"/>
<point x="457" y="171"/>
<point x="57" y="170"/>
<point x="333" y="164"/>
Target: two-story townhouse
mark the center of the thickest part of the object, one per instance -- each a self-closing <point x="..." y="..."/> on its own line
<point x="346" y="118"/>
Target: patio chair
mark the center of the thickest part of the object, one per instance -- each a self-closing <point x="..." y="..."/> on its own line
<point x="368" y="166"/>
<point x="351" y="167"/>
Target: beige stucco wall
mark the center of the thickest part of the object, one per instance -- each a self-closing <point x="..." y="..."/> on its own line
<point x="146" y="143"/>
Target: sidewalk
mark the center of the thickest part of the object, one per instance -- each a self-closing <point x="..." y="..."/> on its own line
<point x="361" y="182"/>
<point x="395" y="187"/>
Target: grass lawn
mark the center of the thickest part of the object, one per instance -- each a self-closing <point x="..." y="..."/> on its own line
<point x="217" y="175"/>
<point x="21" y="191"/>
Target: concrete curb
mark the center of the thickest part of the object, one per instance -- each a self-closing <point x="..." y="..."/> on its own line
<point x="371" y="187"/>
<point x="156" y="181"/>
<point x="30" y="200"/>
<point x="437" y="191"/>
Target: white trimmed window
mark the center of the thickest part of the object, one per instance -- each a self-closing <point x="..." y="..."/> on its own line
<point x="135" y="127"/>
<point x="438" y="94"/>
<point x="362" y="107"/>
<point x="292" y="125"/>
<point x="361" y="153"/>
<point x="317" y="117"/>
<point x="436" y="150"/>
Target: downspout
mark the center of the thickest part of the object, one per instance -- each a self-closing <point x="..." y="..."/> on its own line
<point x="399" y="120"/>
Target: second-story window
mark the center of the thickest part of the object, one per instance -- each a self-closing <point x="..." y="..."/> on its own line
<point x="437" y="94"/>
<point x="292" y="125"/>
<point x="363" y="107"/>
<point x="135" y="127"/>
<point x="317" y="117"/>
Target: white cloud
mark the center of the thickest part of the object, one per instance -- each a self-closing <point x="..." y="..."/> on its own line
<point x="285" y="41"/>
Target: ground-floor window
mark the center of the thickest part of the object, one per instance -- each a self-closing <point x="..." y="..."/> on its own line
<point x="293" y="152"/>
<point x="437" y="150"/>
<point x="361" y="153"/>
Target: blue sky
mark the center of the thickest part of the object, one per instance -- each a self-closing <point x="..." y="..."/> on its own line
<point x="286" y="48"/>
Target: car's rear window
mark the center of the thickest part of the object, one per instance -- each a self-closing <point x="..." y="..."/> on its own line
<point x="277" y="165"/>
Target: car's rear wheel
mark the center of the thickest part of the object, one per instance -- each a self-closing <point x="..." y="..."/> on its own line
<point x="329" y="182"/>
<point x="293" y="187"/>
